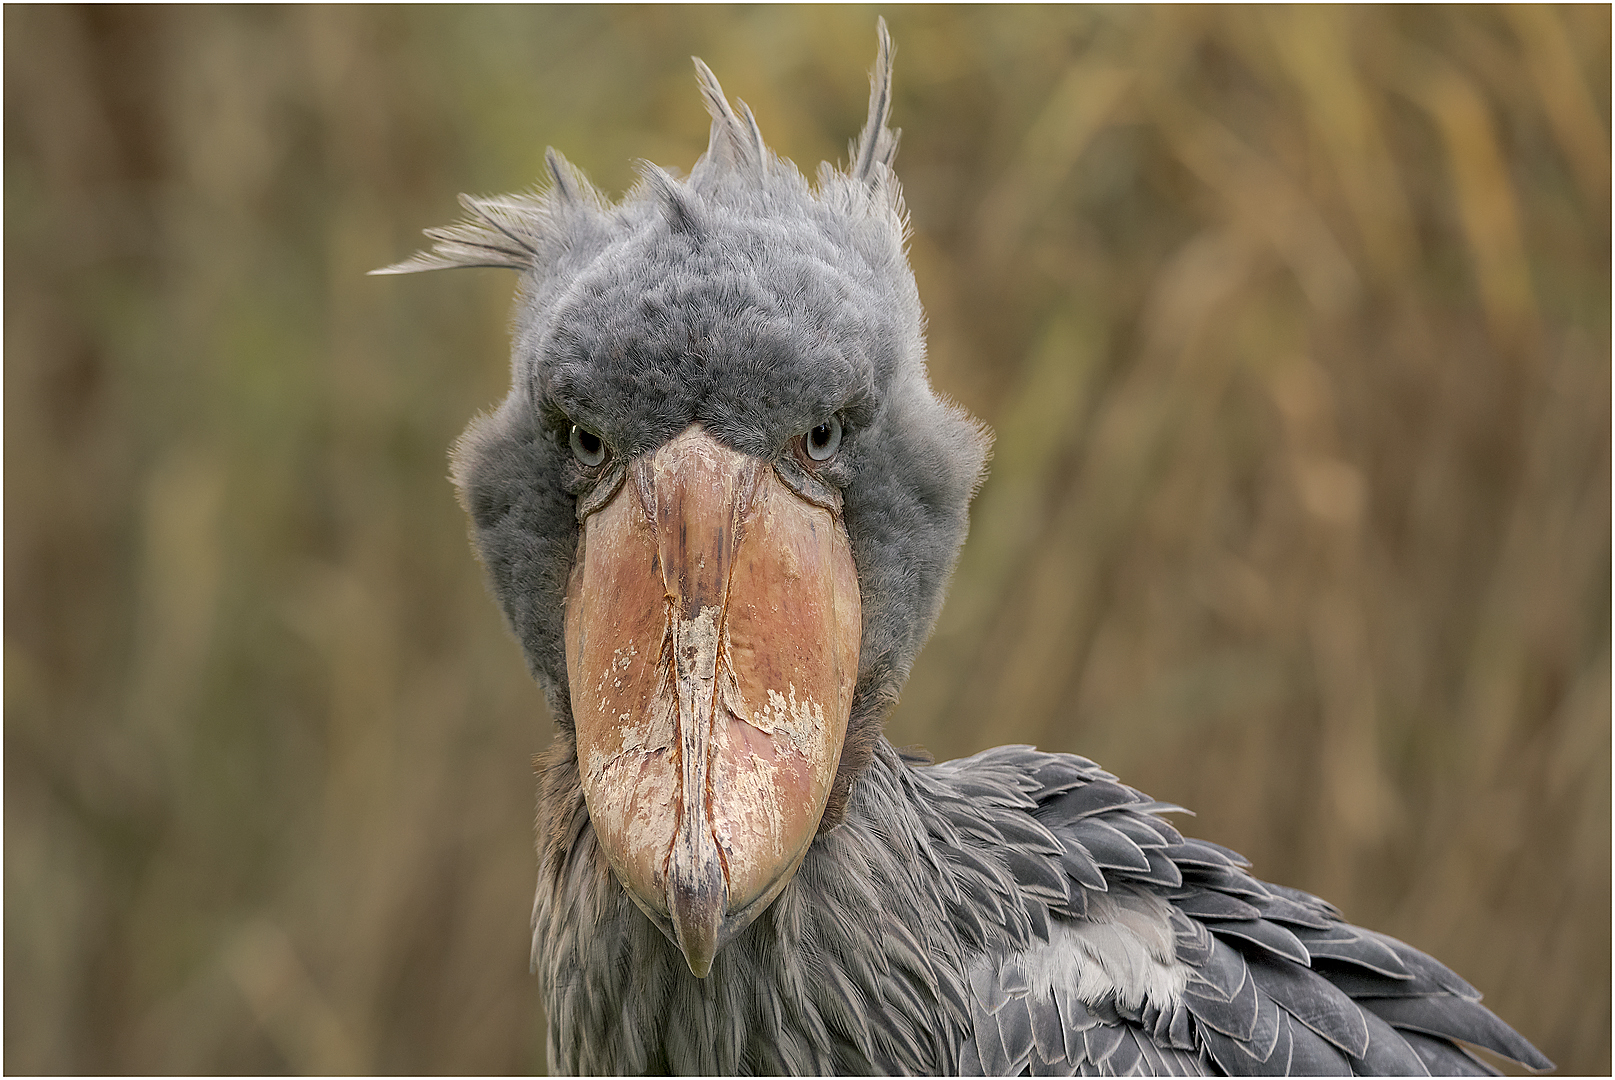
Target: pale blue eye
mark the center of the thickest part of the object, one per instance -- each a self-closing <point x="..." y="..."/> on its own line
<point x="587" y="447"/>
<point x="823" y="441"/>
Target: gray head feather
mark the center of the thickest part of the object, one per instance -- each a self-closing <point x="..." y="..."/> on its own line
<point x="749" y="301"/>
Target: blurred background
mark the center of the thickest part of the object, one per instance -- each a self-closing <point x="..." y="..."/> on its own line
<point x="1293" y="325"/>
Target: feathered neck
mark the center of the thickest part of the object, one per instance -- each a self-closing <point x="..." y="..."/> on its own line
<point x="864" y="929"/>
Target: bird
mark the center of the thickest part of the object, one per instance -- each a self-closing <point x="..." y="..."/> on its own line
<point x="719" y="509"/>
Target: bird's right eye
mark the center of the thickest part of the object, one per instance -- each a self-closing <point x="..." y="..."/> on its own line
<point x="823" y="441"/>
<point x="587" y="447"/>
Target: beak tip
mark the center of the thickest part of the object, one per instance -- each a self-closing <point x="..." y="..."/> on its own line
<point x="696" y="901"/>
<point x="700" y="964"/>
<point x="698" y="941"/>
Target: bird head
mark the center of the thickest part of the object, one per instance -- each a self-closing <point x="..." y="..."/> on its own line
<point x="721" y="502"/>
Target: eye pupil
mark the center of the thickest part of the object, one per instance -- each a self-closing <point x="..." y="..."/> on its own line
<point x="587" y="447"/>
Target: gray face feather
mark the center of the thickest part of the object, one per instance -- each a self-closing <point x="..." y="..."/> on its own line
<point x="751" y="302"/>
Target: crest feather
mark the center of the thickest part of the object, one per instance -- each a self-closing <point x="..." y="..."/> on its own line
<point x="531" y="231"/>
<point x="513" y="232"/>
<point x="674" y="198"/>
<point x="736" y="142"/>
<point x="568" y="184"/>
<point x="876" y="146"/>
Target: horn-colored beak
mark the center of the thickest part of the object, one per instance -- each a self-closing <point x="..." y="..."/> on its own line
<point x="712" y="633"/>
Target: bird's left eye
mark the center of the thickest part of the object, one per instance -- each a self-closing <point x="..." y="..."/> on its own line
<point x="823" y="441"/>
<point x="587" y="447"/>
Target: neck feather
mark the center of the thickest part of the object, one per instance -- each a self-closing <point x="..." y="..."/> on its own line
<point x="865" y="928"/>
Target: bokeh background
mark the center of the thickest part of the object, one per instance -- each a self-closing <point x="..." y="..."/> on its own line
<point x="1293" y="324"/>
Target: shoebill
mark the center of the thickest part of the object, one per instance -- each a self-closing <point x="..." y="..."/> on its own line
<point x="719" y="508"/>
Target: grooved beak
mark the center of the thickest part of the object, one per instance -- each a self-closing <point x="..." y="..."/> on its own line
<point x="712" y="633"/>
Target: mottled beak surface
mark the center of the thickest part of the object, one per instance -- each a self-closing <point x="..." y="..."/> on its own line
<point x="712" y="633"/>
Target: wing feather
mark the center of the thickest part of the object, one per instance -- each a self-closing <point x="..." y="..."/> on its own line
<point x="1270" y="936"/>
<point x="1102" y="1040"/>
<point x="1442" y="1058"/>
<point x="1015" y="1030"/>
<point x="1109" y="846"/>
<point x="1457" y="1018"/>
<point x="1183" y="961"/>
<point x="1126" y="1059"/>
<point x="1313" y="1000"/>
<point x="1048" y="1033"/>
<point x="1388" y="1053"/>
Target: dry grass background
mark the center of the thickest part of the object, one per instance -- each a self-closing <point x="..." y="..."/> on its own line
<point x="1294" y="326"/>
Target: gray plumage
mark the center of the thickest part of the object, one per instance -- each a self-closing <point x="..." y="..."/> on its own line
<point x="1012" y="913"/>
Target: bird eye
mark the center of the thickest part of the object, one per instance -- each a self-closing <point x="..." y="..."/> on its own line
<point x="587" y="447"/>
<point x="823" y="441"/>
